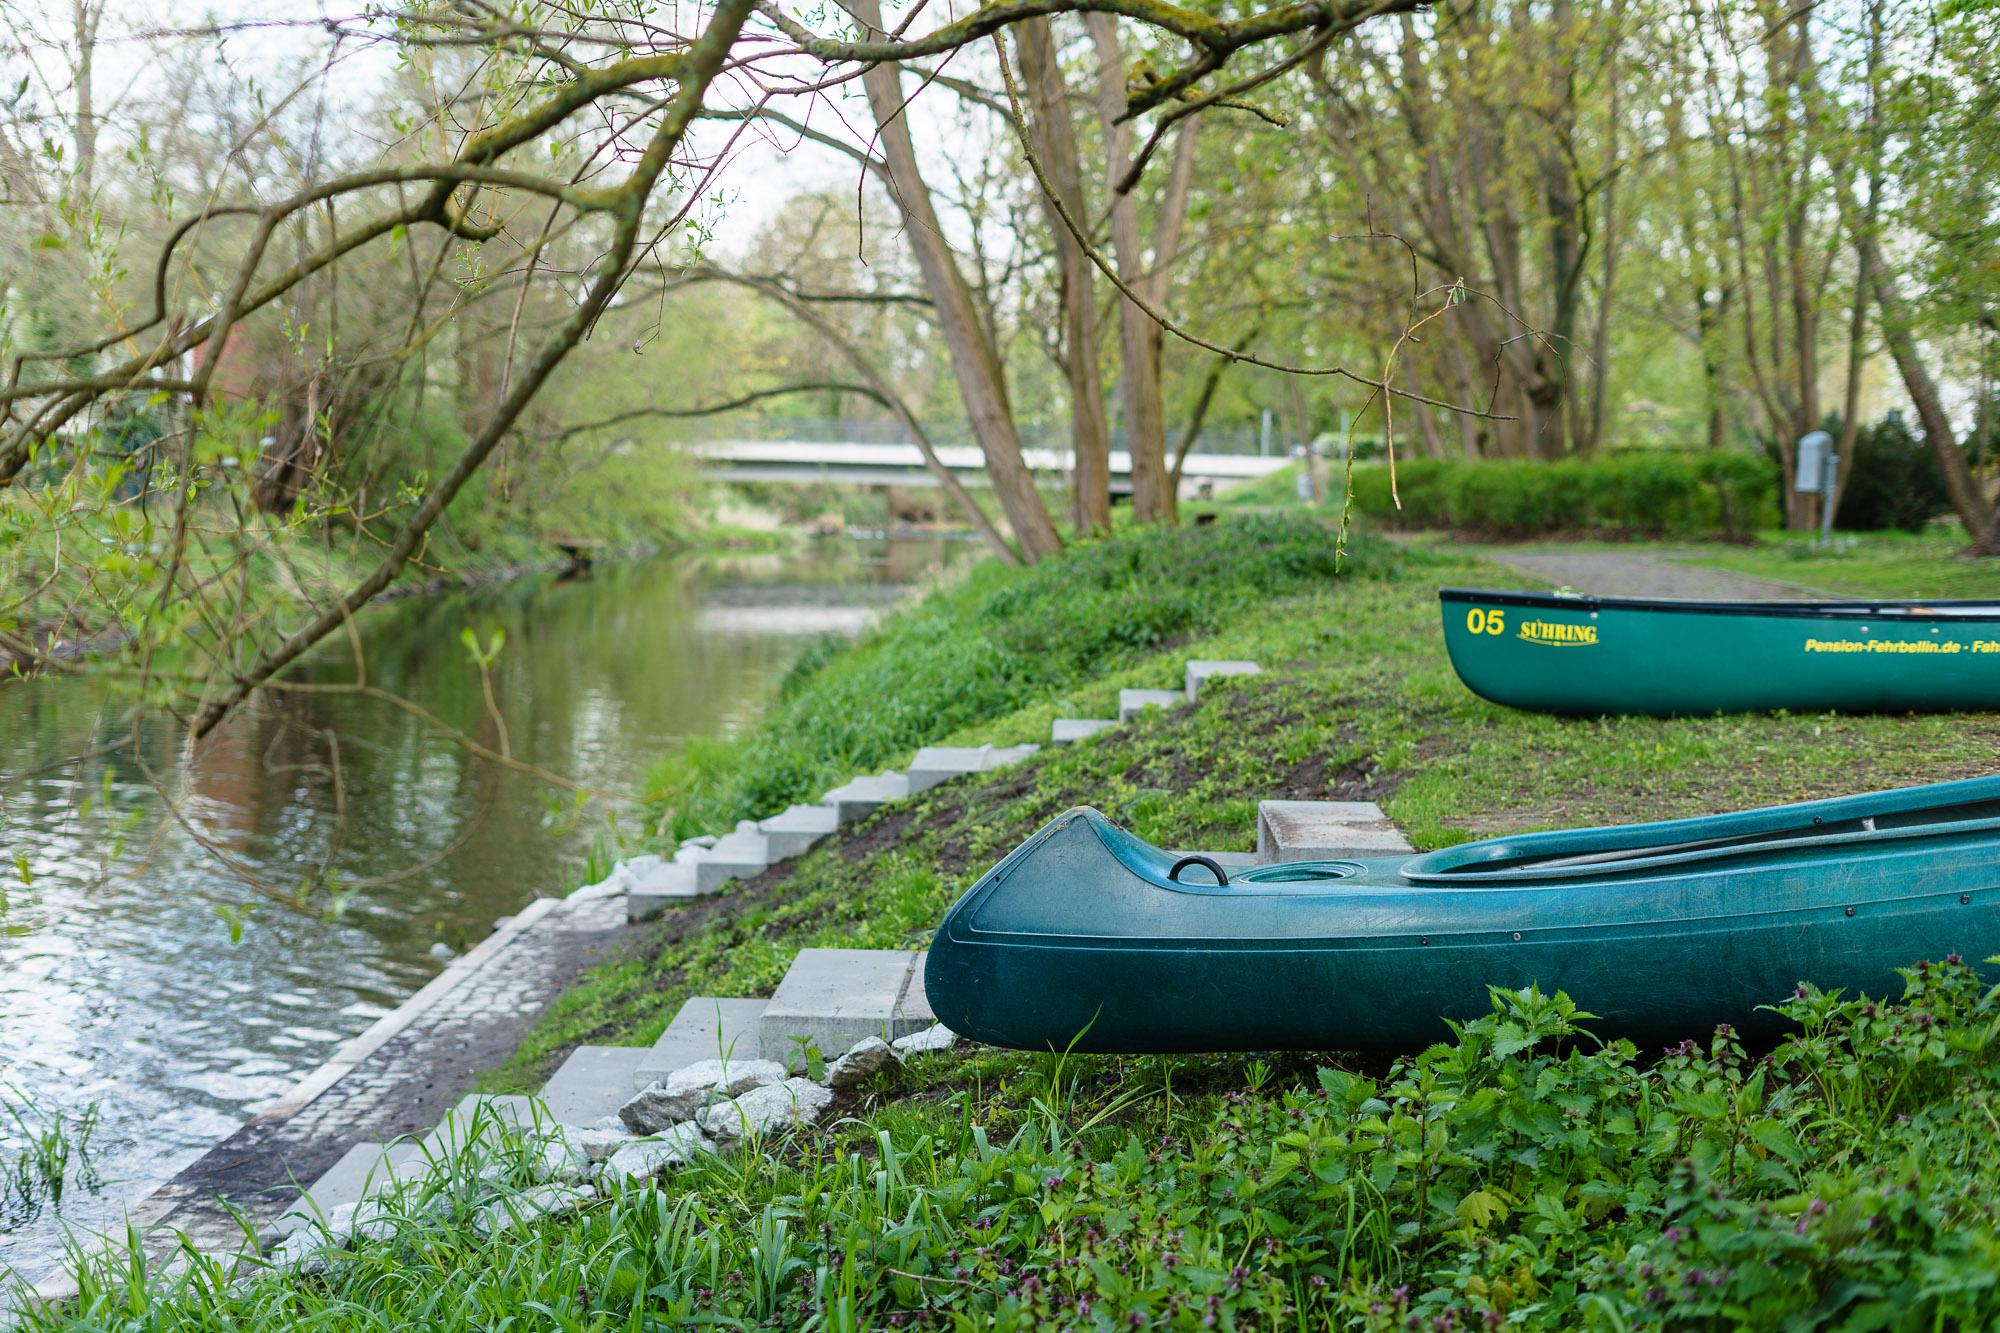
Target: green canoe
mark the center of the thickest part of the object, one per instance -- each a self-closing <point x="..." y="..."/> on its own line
<point x="1084" y="935"/>
<point x="1594" y="655"/>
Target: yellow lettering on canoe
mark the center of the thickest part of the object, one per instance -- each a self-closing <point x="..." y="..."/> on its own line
<point x="1557" y="633"/>
<point x="1899" y="646"/>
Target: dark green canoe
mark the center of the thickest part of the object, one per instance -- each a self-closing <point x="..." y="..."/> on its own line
<point x="1594" y="655"/>
<point x="1662" y="930"/>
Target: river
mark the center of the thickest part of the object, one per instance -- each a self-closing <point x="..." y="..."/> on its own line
<point x="143" y="974"/>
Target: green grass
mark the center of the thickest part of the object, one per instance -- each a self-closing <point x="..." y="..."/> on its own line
<point x="1358" y="702"/>
<point x="1875" y="564"/>
<point x="1522" y="1176"/>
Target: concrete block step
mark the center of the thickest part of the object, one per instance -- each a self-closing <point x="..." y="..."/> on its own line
<point x="593" y="1083"/>
<point x="365" y="1169"/>
<point x="1133" y="702"/>
<point x="798" y="830"/>
<point x="704" y="1028"/>
<point x="650" y="891"/>
<point x="1067" y="730"/>
<point x="863" y="796"/>
<point x="941" y="763"/>
<point x="741" y="855"/>
<point x="835" y="997"/>
<point x="1325" y="831"/>
<point x="476" y="1116"/>
<point x="1199" y="672"/>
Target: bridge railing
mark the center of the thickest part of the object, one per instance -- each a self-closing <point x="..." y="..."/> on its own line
<point x="1238" y="439"/>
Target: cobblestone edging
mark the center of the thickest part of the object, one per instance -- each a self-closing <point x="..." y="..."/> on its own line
<point x="399" y="1077"/>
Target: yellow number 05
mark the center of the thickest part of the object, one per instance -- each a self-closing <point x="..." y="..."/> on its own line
<point x="1486" y="622"/>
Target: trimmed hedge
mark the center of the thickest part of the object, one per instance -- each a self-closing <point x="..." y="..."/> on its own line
<point x="1726" y="494"/>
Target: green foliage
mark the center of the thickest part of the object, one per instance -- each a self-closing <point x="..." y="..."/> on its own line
<point x="1893" y="482"/>
<point x="1521" y="1176"/>
<point x="1000" y="640"/>
<point x="1725" y="494"/>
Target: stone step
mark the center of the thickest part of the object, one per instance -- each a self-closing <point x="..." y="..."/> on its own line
<point x="478" y="1114"/>
<point x="650" y="891"/>
<point x="741" y="855"/>
<point x="365" y="1169"/>
<point x="593" y="1083"/>
<point x="1200" y="672"/>
<point x="941" y="763"/>
<point x="1325" y="831"/>
<point x="835" y="997"/>
<point x="1069" y="729"/>
<point x="798" y="830"/>
<point x="1133" y="702"/>
<point x="863" y="796"/>
<point x="704" y="1028"/>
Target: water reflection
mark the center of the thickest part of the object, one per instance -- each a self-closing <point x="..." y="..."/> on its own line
<point x="118" y="980"/>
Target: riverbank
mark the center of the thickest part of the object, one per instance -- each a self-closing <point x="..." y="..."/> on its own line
<point x="1513" y="1178"/>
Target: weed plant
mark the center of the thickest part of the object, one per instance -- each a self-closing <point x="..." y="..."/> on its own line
<point x="1521" y="1175"/>
<point x="46" y="1151"/>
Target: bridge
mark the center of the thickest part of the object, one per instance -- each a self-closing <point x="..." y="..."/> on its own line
<point x="892" y="461"/>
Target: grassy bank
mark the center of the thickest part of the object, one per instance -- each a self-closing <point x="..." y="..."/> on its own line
<point x="1358" y="701"/>
<point x="1521" y="1175"/>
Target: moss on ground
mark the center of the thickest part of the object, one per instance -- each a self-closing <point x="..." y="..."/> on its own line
<point x="1357" y="702"/>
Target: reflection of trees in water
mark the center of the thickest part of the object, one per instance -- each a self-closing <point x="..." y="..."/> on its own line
<point x="412" y="808"/>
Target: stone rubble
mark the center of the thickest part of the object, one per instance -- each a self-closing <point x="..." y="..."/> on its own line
<point x="647" y="1158"/>
<point x="534" y="1205"/>
<point x="865" y="1058"/>
<point x="937" y="1038"/>
<point x="687" y="1090"/>
<point x="796" y="1101"/>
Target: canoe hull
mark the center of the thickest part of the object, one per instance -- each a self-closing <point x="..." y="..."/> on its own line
<point x="1077" y="941"/>
<point x="1595" y="656"/>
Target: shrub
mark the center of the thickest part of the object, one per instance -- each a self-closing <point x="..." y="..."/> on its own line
<point x="1893" y="482"/>
<point x="1725" y="494"/>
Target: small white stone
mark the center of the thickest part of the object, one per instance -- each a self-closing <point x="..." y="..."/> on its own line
<point x="531" y="1206"/>
<point x="305" y="1252"/>
<point x="937" y="1038"/>
<point x="610" y="1122"/>
<point x="796" y="1101"/>
<point x="443" y="952"/>
<point x="685" y="1091"/>
<point x="646" y="1158"/>
<point x="866" y="1057"/>
<point x="700" y="840"/>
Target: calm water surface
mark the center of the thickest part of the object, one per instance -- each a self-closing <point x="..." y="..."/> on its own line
<point x="119" y="981"/>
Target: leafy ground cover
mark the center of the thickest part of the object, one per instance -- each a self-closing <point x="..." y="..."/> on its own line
<point x="1519" y="1175"/>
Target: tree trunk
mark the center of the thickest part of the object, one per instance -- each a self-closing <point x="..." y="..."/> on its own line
<point x="1138" y="335"/>
<point x="1966" y="497"/>
<point x="88" y="16"/>
<point x="1054" y="138"/>
<point x="975" y="362"/>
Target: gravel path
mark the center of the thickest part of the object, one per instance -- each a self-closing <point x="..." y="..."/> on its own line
<point x="1643" y="574"/>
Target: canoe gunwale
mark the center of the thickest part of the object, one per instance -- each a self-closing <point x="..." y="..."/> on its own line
<point x="1468" y="875"/>
<point x="1955" y="612"/>
<point x="1457" y="865"/>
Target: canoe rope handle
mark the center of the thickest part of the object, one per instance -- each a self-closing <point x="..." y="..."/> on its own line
<point x="1221" y="879"/>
